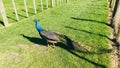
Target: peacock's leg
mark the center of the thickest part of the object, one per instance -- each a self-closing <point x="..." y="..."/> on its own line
<point x="48" y="45"/>
<point x="53" y="44"/>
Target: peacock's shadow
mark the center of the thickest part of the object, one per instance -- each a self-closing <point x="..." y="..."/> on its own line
<point x="35" y="40"/>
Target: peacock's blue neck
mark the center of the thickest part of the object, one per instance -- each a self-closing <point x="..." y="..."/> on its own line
<point x="38" y="27"/>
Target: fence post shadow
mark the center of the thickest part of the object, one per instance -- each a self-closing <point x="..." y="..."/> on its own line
<point x="11" y="18"/>
<point x="1" y="22"/>
<point x="84" y="19"/>
<point x="101" y="35"/>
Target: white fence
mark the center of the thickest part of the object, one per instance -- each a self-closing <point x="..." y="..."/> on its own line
<point x="53" y="3"/>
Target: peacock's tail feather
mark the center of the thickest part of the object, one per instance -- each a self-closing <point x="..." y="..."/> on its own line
<point x="72" y="44"/>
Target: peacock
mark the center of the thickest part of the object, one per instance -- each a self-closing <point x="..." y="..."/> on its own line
<point x="54" y="37"/>
<point x="48" y="35"/>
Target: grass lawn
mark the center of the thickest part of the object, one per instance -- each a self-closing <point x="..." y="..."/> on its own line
<point x="82" y="20"/>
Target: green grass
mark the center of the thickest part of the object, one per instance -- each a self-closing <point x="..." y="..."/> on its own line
<point x="83" y="21"/>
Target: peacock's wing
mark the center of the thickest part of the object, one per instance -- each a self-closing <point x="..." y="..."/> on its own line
<point x="48" y="34"/>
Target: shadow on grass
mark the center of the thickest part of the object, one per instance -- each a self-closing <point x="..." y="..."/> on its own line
<point x="70" y="46"/>
<point x="1" y="23"/>
<point x="22" y="15"/>
<point x="35" y="40"/>
<point x="83" y="19"/>
<point x="11" y="18"/>
<point x="32" y="13"/>
<point x="87" y="32"/>
<point x="45" y="6"/>
<point x="14" y="19"/>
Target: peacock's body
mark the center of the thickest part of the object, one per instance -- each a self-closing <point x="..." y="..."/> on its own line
<point x="48" y="35"/>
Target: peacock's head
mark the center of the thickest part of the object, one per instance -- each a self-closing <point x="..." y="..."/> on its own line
<point x="36" y="20"/>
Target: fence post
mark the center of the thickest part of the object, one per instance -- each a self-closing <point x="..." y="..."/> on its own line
<point x="116" y="21"/>
<point x="26" y="8"/>
<point x="67" y="1"/>
<point x="41" y="5"/>
<point x="2" y="11"/>
<point x="15" y="10"/>
<point x="60" y="1"/>
<point x="34" y="4"/>
<point x="56" y="2"/>
<point x="47" y="4"/>
<point x="52" y="3"/>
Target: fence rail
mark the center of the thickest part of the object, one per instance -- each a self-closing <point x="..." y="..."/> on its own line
<point x="43" y="6"/>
